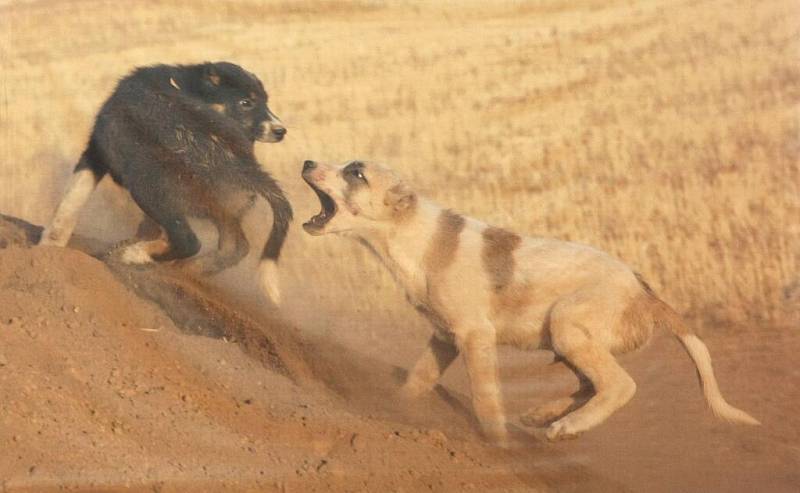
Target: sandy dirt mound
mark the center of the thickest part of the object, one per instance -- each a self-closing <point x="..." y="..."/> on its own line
<point x="174" y="389"/>
<point x="101" y="390"/>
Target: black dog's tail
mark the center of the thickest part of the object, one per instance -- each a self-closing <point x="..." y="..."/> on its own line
<point x="265" y="185"/>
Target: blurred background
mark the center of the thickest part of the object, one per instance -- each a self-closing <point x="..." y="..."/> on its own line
<point x="664" y="132"/>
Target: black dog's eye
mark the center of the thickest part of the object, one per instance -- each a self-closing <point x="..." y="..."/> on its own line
<point x="246" y="104"/>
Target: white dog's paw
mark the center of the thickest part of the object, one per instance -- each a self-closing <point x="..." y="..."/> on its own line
<point x="562" y="429"/>
<point x="136" y="254"/>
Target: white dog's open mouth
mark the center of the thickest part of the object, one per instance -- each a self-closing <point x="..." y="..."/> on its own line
<point x="316" y="224"/>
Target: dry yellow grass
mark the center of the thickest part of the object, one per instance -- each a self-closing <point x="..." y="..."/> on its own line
<point x="664" y="132"/>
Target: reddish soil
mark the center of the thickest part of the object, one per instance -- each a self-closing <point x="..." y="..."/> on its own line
<point x="141" y="380"/>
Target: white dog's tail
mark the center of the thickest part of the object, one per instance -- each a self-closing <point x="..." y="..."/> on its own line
<point x="702" y="360"/>
<point x="699" y="353"/>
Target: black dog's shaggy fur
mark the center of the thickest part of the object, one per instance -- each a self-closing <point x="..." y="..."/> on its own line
<point x="180" y="139"/>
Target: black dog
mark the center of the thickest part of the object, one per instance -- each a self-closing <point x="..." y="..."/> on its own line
<point x="180" y="140"/>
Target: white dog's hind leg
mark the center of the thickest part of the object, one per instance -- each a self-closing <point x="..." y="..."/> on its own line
<point x="613" y="386"/>
<point x="429" y="368"/>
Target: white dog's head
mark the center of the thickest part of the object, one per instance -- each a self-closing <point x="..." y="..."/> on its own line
<point x="356" y="196"/>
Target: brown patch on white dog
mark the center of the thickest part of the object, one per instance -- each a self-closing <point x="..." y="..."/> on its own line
<point x="498" y="255"/>
<point x="444" y="244"/>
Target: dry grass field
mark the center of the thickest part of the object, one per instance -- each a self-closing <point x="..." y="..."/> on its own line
<point x="664" y="132"/>
<point x="667" y="133"/>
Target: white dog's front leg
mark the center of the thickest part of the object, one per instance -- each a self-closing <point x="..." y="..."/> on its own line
<point x="480" y="351"/>
<point x="429" y="368"/>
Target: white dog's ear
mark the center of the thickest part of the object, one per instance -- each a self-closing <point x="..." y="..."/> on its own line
<point x="400" y="197"/>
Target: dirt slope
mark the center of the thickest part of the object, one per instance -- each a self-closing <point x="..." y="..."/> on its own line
<point x="101" y="390"/>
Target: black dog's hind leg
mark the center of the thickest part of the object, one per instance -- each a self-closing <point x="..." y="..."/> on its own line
<point x="177" y="240"/>
<point x="183" y="243"/>
<point x="233" y="244"/>
<point x="148" y="229"/>
<point x="88" y="172"/>
<point x="232" y="247"/>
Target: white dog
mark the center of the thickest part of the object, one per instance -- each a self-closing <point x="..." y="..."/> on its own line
<point x="481" y="286"/>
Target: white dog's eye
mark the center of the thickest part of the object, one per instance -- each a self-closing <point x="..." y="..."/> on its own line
<point x="355" y="170"/>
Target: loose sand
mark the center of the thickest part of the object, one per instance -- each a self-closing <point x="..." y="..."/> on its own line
<point x="178" y="390"/>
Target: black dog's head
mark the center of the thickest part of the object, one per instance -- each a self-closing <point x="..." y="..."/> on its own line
<point x="237" y="93"/>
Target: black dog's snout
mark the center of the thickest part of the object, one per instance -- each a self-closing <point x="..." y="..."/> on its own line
<point x="307" y="165"/>
<point x="279" y="131"/>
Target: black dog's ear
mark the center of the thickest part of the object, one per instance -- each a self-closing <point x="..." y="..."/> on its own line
<point x="210" y="75"/>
